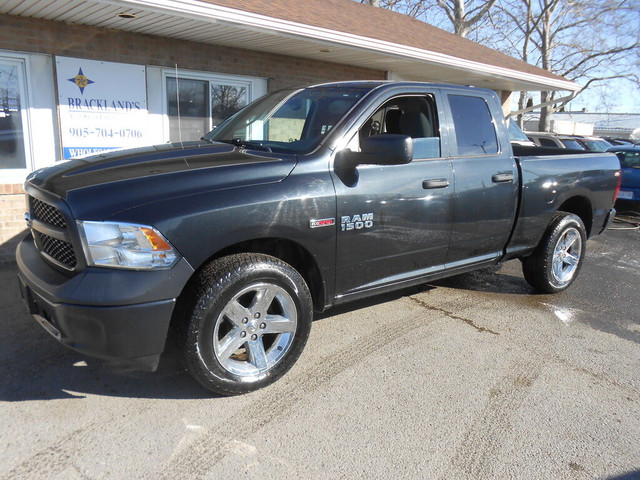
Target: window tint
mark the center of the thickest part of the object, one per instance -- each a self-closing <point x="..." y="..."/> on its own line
<point x="630" y="160"/>
<point x="547" y="142"/>
<point x="475" y="132"/>
<point x="574" y="144"/>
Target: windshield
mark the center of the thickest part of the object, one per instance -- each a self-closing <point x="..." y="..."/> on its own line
<point x="289" y="121"/>
<point x="630" y="159"/>
<point x="597" y="145"/>
<point x="515" y="134"/>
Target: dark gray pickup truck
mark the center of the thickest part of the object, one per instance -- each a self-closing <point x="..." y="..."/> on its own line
<point x="305" y="199"/>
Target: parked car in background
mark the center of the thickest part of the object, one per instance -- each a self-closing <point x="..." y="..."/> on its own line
<point x="594" y="144"/>
<point x="624" y="142"/>
<point x="545" y="139"/>
<point x="630" y="165"/>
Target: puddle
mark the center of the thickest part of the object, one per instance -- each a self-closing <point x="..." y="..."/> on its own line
<point x="565" y="315"/>
<point x="622" y="327"/>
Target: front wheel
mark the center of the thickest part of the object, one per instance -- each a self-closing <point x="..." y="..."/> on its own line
<point x="555" y="263"/>
<point x="250" y="322"/>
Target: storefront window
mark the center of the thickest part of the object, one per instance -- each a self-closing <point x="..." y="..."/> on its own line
<point x="225" y="101"/>
<point x="187" y="108"/>
<point x="197" y="105"/>
<point x="12" y="125"/>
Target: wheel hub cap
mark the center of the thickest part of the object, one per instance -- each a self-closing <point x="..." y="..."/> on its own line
<point x="255" y="330"/>
<point x="566" y="256"/>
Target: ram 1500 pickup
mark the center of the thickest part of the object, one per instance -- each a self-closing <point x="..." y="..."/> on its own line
<point x="305" y="199"/>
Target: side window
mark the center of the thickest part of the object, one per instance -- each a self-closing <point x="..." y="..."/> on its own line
<point x="574" y="144"/>
<point x="475" y="132"/>
<point x="546" y="142"/>
<point x="630" y="160"/>
<point x="415" y="116"/>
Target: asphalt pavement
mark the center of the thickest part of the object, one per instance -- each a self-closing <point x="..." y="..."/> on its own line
<point x="472" y="377"/>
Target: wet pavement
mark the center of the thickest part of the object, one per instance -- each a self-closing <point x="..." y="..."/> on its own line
<point x="469" y="377"/>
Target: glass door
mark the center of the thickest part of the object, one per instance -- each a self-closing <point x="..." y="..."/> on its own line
<point x="225" y="101"/>
<point x="198" y="102"/>
<point x="187" y="107"/>
<point x="13" y="116"/>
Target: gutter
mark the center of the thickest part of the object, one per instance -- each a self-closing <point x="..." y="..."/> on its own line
<point x="562" y="100"/>
<point x="201" y="11"/>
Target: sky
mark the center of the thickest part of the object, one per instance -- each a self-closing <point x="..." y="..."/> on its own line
<point x="615" y="96"/>
<point x="612" y="96"/>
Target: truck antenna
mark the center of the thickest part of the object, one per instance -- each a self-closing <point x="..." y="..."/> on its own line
<point x="178" y="105"/>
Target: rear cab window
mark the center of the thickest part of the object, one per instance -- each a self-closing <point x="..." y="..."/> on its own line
<point x="475" y="131"/>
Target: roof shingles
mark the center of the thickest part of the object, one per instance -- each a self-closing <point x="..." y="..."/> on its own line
<point x="363" y="20"/>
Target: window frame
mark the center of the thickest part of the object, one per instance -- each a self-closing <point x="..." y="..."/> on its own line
<point x="17" y="175"/>
<point x="256" y="87"/>
<point x="354" y="142"/>
<point x="453" y="134"/>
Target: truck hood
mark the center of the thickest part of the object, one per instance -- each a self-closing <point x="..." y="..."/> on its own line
<point x="115" y="181"/>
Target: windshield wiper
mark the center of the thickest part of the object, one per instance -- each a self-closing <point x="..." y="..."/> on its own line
<point x="239" y="142"/>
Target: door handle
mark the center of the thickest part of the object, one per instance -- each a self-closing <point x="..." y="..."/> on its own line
<point x="502" y="177"/>
<point x="435" y="183"/>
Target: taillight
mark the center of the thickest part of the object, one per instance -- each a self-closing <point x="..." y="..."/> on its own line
<point x="618" y="175"/>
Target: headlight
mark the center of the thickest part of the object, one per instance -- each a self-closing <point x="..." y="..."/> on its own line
<point x="124" y="245"/>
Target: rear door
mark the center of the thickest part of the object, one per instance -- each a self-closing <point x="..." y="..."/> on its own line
<point x="394" y="221"/>
<point x="485" y="198"/>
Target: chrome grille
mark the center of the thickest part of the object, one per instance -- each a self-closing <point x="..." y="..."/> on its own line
<point x="47" y="213"/>
<point x="59" y="250"/>
<point x="51" y="234"/>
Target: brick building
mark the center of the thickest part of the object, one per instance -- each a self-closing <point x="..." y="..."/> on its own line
<point x="80" y="77"/>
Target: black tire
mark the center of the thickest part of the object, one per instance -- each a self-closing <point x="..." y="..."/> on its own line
<point x="249" y="323"/>
<point x="556" y="261"/>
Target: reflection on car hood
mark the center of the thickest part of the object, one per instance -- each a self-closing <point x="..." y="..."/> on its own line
<point x="141" y="175"/>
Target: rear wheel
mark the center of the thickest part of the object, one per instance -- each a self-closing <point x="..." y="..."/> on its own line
<point x="555" y="263"/>
<point x="250" y="322"/>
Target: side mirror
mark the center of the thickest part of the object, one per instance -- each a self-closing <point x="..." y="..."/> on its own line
<point x="387" y="149"/>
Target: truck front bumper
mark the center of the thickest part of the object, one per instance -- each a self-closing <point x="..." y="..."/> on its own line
<point x="116" y="315"/>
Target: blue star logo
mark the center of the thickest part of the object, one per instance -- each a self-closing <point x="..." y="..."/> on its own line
<point x="81" y="81"/>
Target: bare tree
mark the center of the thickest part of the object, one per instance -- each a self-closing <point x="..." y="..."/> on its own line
<point x="465" y="15"/>
<point x="587" y="41"/>
<point x="459" y="16"/>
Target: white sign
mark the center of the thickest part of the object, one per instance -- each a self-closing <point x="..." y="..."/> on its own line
<point x="103" y="106"/>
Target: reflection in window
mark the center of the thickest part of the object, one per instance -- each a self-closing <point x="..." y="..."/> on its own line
<point x="630" y="160"/>
<point x="292" y="121"/>
<point x="475" y="132"/>
<point x="187" y="102"/>
<point x="195" y="106"/>
<point x="415" y="116"/>
<point x="12" y="154"/>
<point x="225" y="101"/>
<point x="572" y="144"/>
<point x="545" y="142"/>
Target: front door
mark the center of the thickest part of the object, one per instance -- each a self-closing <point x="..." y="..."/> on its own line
<point x="394" y="222"/>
